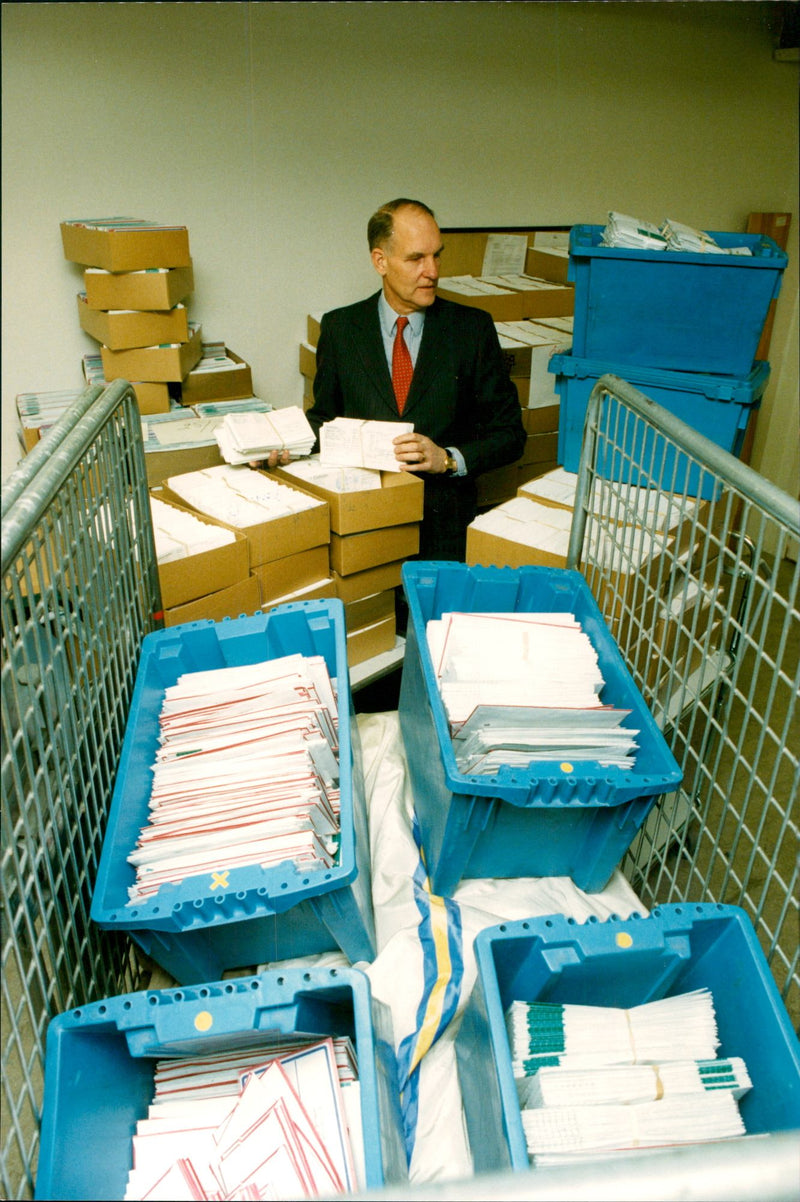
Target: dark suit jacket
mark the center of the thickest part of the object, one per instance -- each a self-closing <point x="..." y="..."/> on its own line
<point x="460" y="396"/>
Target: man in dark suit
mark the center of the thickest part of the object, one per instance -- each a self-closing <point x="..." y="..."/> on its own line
<point x="463" y="406"/>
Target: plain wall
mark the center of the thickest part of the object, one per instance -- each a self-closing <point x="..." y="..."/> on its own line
<point x="273" y="130"/>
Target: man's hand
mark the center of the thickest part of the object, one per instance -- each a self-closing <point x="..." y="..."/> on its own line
<point x="416" y="453"/>
<point x="274" y="458"/>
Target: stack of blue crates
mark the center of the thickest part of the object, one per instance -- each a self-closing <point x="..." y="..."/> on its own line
<point x="101" y="1058"/>
<point x="677" y="949"/>
<point x="681" y="327"/>
<point x="549" y="819"/>
<point x="239" y="918"/>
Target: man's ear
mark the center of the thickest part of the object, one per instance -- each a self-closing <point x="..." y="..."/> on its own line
<point x="378" y="257"/>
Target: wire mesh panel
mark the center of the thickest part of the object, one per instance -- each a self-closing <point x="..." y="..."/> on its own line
<point x="692" y="557"/>
<point x="80" y="591"/>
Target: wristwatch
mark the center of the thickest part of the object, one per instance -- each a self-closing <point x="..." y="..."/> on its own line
<point x="450" y="464"/>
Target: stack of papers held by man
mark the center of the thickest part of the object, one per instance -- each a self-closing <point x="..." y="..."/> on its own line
<point x="353" y="442"/>
<point x="519" y="687"/>
<point x="251" y="436"/>
<point x="276" y="1122"/>
<point x="246" y="773"/>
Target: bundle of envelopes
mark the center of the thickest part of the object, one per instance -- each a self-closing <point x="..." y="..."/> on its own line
<point x="519" y="687"/>
<point x="246" y="772"/>
<point x="625" y="231"/>
<point x="596" y="1079"/>
<point x="334" y="477"/>
<point x="282" y="1120"/>
<point x="251" y="436"/>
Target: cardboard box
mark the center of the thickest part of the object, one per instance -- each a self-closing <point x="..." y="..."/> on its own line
<point x="159" y="363"/>
<point x="541" y="419"/>
<point x="151" y="396"/>
<point x="125" y="243"/>
<point x="242" y="598"/>
<point x="283" y="536"/>
<point x="151" y="288"/>
<point x="291" y="572"/>
<point x="369" y="581"/>
<point x="364" y="611"/>
<point x="225" y="383"/>
<point x="399" y="500"/>
<point x="123" y="329"/>
<point x="355" y="552"/>
<point x="539" y="448"/>
<point x="183" y="580"/>
<point x="159" y="465"/>
<point x="321" y="589"/>
<point x="363" y="644"/>
<point x="491" y="550"/>
<point x="548" y="263"/>
<point x="308" y="361"/>
<point x="532" y="471"/>
<point x="503" y="306"/>
<point x="313" y="323"/>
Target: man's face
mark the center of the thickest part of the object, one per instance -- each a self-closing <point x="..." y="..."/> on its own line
<point x="409" y="263"/>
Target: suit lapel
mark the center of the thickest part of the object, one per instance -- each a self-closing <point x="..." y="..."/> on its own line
<point x="431" y="360"/>
<point x="369" y="345"/>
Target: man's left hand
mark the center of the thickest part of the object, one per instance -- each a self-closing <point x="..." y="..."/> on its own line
<point x="416" y="453"/>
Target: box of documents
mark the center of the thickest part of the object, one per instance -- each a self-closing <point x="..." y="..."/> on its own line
<point x="152" y="288"/>
<point x="122" y="329"/>
<point x="719" y="407"/>
<point x="195" y="554"/>
<point x="219" y="375"/>
<point x="167" y="363"/>
<point x="125" y="243"/>
<point x="233" y="601"/>
<point x="358" y="498"/>
<point x="119" y="1071"/>
<point x="675" y="951"/>
<point x="558" y="811"/>
<point x="231" y="911"/>
<point x="670" y="309"/>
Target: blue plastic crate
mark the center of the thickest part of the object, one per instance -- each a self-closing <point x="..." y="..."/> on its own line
<point x="676" y="949"/>
<point x="549" y="819"/>
<point x="719" y="407"/>
<point x="100" y="1061"/>
<point x="238" y="918"/>
<point x="672" y="309"/>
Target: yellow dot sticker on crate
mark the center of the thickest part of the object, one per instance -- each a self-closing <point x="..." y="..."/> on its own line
<point x="567" y="768"/>
<point x="203" y="1021"/>
<point x="623" y="939"/>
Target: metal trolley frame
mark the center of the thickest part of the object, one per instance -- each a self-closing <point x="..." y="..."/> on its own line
<point x="700" y="589"/>
<point x="701" y="596"/>
<point x="80" y="591"/>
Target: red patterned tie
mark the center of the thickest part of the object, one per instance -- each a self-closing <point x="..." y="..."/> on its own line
<point x="402" y="367"/>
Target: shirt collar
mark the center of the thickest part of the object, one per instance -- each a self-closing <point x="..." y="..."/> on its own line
<point x="388" y="317"/>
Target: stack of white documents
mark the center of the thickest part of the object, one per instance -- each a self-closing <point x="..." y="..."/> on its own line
<point x="592" y="1079"/>
<point x="353" y="442"/>
<point x="281" y="1121"/>
<point x="685" y="237"/>
<point x="179" y="533"/>
<point x="246" y="436"/>
<point x="246" y="773"/>
<point x="336" y="479"/>
<point x="622" y="230"/>
<point x="239" y="496"/>
<point x="519" y="687"/>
